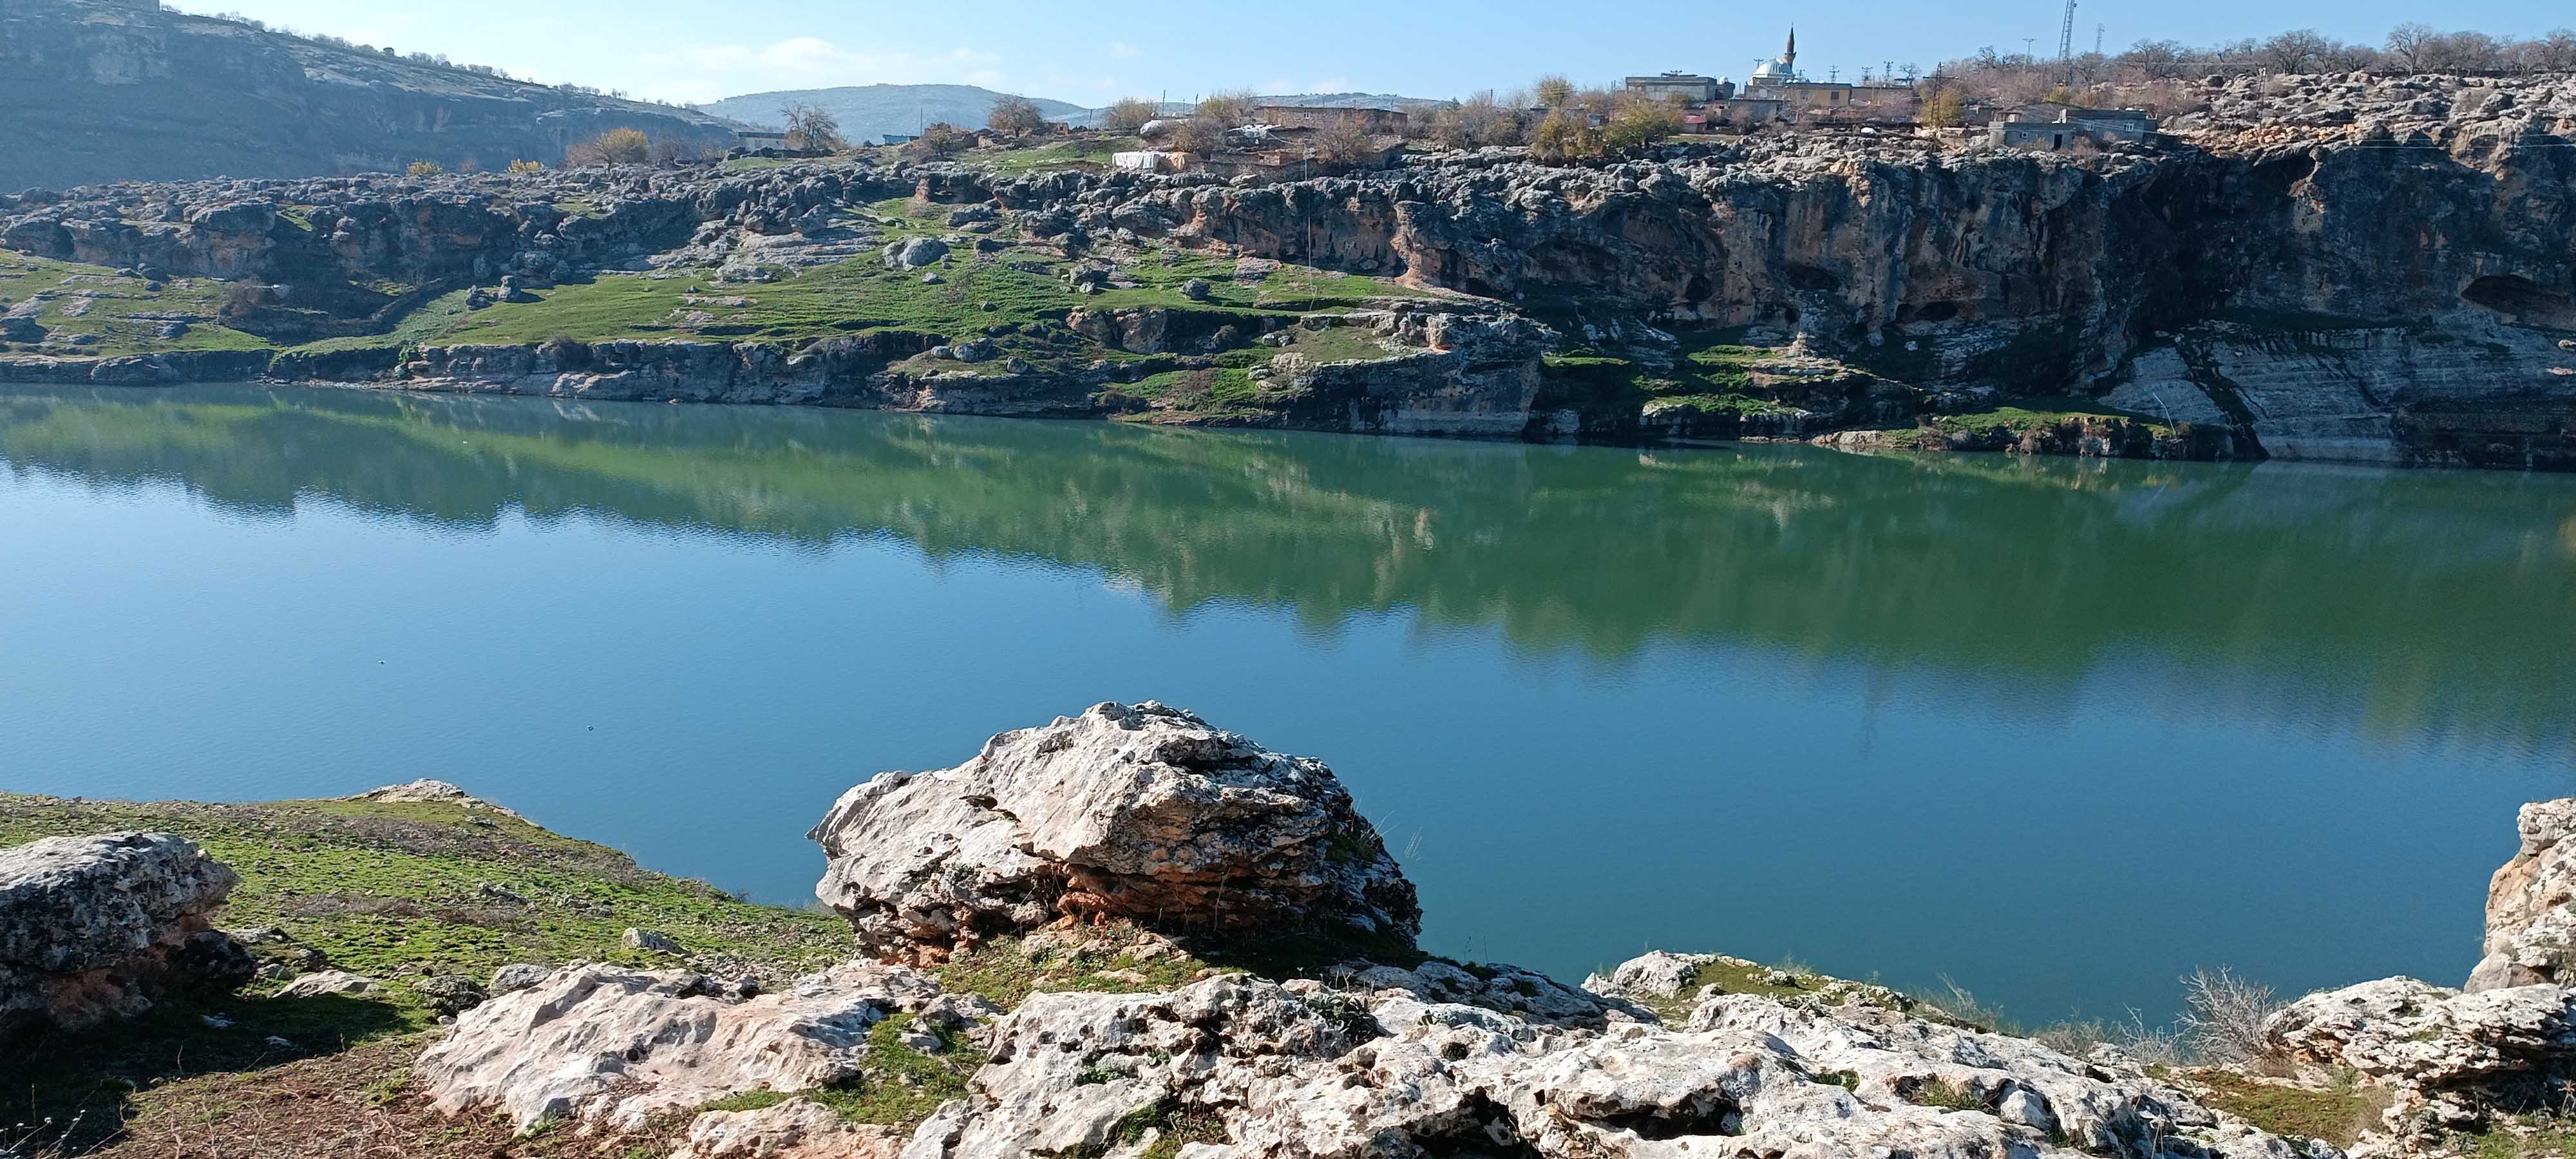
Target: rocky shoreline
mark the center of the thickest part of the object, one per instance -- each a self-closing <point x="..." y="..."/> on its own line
<point x="1130" y="934"/>
<point x="2341" y="268"/>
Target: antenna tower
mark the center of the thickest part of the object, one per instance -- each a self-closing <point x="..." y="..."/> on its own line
<point x="2066" y="43"/>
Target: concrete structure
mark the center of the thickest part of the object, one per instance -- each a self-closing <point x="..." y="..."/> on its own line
<point x="761" y="139"/>
<point x="1389" y="122"/>
<point x="2058" y="127"/>
<point x="1777" y="79"/>
<point x="1691" y="88"/>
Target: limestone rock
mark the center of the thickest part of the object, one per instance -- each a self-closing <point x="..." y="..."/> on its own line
<point x="2531" y="927"/>
<point x="1255" y="1070"/>
<point x="795" y="1129"/>
<point x="1657" y="976"/>
<point x="434" y="792"/>
<point x="2430" y="1039"/>
<point x="327" y="982"/>
<point x="650" y="941"/>
<point x="517" y="976"/>
<point x="606" y="1044"/>
<point x="914" y="253"/>
<point x="94" y="927"/>
<point x="1140" y="812"/>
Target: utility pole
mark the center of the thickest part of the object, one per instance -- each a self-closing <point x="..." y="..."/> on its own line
<point x="2066" y="44"/>
<point x="2098" y="30"/>
<point x="2030" y="48"/>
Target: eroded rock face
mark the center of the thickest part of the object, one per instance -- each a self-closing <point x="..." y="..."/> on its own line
<point x="1142" y="813"/>
<point x="2431" y="1038"/>
<point x="795" y="1129"/>
<point x="610" y="1045"/>
<point x="2531" y="930"/>
<point x="1249" y="1068"/>
<point x="94" y="927"/>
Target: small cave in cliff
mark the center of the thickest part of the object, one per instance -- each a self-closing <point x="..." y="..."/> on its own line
<point x="1929" y="312"/>
<point x="2523" y="300"/>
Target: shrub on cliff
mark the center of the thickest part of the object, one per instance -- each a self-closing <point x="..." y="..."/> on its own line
<point x="425" y="169"/>
<point x="1232" y="107"/>
<point x="1638" y="124"/>
<point x="1129" y="115"/>
<point x="1565" y="135"/>
<point x="614" y="147"/>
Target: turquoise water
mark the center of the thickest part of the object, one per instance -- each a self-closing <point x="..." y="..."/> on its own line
<point x="2058" y="730"/>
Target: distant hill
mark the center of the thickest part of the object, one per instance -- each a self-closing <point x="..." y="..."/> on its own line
<point x="869" y="112"/>
<point x="108" y="90"/>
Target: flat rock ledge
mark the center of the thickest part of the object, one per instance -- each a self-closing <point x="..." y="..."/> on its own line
<point x="1140" y="813"/>
<point x="93" y="928"/>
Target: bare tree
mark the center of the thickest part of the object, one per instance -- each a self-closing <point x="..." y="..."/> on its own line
<point x="810" y="127"/>
<point x="2224" y="1016"/>
<point x="2295" y="51"/>
<point x="1018" y="116"/>
<point x="1129" y="115"/>
<point x="2407" y="44"/>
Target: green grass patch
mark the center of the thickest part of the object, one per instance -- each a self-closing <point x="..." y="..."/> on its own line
<point x="2038" y="413"/>
<point x="1338" y="344"/>
<point x="2337" y="1115"/>
<point x="112" y="302"/>
<point x="399" y="890"/>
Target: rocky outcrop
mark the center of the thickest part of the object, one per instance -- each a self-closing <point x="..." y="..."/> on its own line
<point x="608" y="1045"/>
<point x="1251" y="1068"/>
<point x="2457" y="1059"/>
<point x="2531" y="927"/>
<point x="102" y="91"/>
<point x="1139" y="813"/>
<point x="2373" y="269"/>
<point x="96" y="927"/>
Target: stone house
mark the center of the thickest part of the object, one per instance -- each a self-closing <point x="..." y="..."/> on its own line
<point x="1691" y="88"/>
<point x="2058" y="127"/>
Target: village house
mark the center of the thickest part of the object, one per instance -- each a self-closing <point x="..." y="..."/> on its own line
<point x="1689" y="88"/>
<point x="2054" y="127"/>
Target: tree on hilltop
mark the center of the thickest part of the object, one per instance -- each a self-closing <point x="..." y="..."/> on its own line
<point x="1018" y="116"/>
<point x="810" y="127"/>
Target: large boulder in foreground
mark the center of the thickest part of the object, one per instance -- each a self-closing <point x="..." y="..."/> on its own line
<point x="95" y="927"/>
<point x="2531" y="930"/>
<point x="1141" y="813"/>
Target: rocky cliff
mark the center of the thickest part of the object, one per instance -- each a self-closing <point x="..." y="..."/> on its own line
<point x="103" y="91"/>
<point x="2349" y="268"/>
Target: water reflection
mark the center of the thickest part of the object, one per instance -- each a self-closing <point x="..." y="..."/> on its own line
<point x="2425" y="607"/>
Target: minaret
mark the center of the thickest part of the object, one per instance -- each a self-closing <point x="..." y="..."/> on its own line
<point x="1789" y="59"/>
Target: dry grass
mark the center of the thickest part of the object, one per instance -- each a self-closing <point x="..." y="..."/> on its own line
<point x="354" y="1104"/>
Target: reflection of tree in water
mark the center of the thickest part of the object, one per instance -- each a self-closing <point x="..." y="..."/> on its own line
<point x="2423" y="604"/>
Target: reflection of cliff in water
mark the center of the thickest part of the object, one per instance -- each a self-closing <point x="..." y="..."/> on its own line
<point x="2427" y="605"/>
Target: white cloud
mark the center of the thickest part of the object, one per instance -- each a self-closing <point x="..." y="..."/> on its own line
<point x="1122" y="50"/>
<point x="1332" y="84"/>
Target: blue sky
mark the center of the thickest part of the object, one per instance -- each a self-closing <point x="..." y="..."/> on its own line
<point x="1092" y="53"/>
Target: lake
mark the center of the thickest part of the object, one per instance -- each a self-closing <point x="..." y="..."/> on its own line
<point x="2058" y="730"/>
